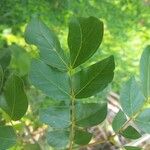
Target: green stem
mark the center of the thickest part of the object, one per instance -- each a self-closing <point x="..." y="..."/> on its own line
<point x="72" y="114"/>
<point x="72" y="123"/>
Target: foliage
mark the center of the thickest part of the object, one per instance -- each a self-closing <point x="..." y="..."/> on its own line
<point x="126" y="27"/>
<point x="126" y="33"/>
<point x="70" y="118"/>
<point x="135" y="104"/>
<point x="13" y="99"/>
<point x="67" y="83"/>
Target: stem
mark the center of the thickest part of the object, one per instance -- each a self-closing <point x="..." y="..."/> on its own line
<point x="72" y="122"/>
<point x="72" y="113"/>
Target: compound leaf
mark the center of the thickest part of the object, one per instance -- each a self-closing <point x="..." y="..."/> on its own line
<point x="85" y="36"/>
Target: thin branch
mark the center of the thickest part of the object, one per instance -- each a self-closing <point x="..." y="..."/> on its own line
<point x="72" y="112"/>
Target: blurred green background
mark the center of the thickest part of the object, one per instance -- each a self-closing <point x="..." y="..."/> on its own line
<point x="127" y="32"/>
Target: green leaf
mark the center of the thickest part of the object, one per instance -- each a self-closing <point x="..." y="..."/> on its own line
<point x="132" y="148"/>
<point x="130" y="133"/>
<point x="145" y="71"/>
<point x="82" y="137"/>
<point x="56" y="116"/>
<point x="90" y="114"/>
<point x="7" y="137"/>
<point x="58" y="138"/>
<point x="53" y="83"/>
<point x="85" y="36"/>
<point x="131" y="97"/>
<point x="39" y="34"/>
<point x="119" y="121"/>
<point x="15" y="98"/>
<point x="93" y="79"/>
<point x="143" y="121"/>
<point x="5" y="57"/>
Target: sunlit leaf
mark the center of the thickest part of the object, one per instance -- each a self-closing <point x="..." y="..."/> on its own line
<point x="15" y="98"/>
<point x="7" y="137"/>
<point x="93" y="79"/>
<point x="118" y="121"/>
<point x="131" y="97"/>
<point x="39" y="34"/>
<point x="52" y="82"/>
<point x="90" y="114"/>
<point x="85" y="36"/>
<point x="145" y="71"/>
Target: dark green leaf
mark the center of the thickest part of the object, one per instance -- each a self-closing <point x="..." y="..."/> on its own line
<point x="53" y="83"/>
<point x="82" y="137"/>
<point x="93" y="79"/>
<point x="132" y="148"/>
<point x="7" y="137"/>
<point x="15" y="97"/>
<point x="131" y="97"/>
<point x="130" y="133"/>
<point x="5" y="57"/>
<point x="143" y="121"/>
<point x="85" y="36"/>
<point x="90" y="114"/>
<point x="39" y="34"/>
<point x="58" y="138"/>
<point x="56" y="116"/>
<point x="145" y="71"/>
<point x="119" y="121"/>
